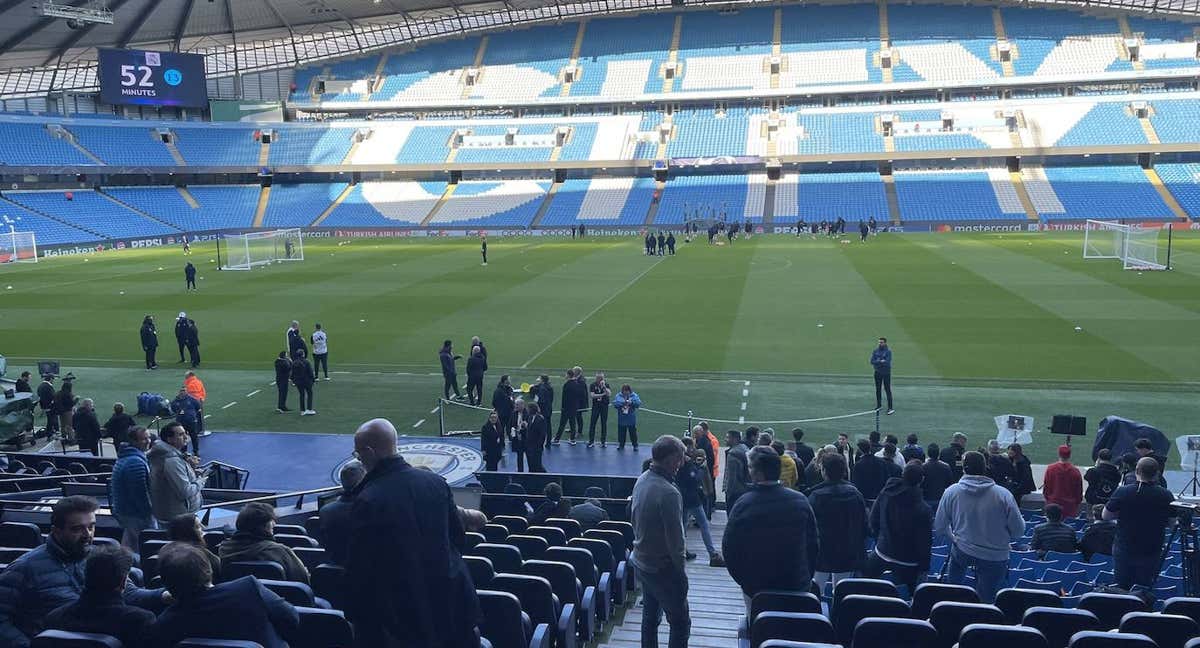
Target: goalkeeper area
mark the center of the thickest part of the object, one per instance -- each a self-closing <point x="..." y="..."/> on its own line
<point x="775" y="331"/>
<point x="247" y="251"/>
<point x="18" y="247"/>
<point x="1136" y="247"/>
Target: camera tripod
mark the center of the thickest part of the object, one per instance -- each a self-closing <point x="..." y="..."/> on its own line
<point x="1189" y="546"/>
<point x="1194" y="482"/>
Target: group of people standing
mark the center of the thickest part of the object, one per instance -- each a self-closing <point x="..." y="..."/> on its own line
<point x="187" y="336"/>
<point x="658" y="245"/>
<point x="292" y="366"/>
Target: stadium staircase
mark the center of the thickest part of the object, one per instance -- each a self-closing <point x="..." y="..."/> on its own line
<point x="573" y="64"/>
<point x="885" y="42"/>
<point x="1023" y="195"/>
<point x="332" y="206"/>
<point x="478" y="65"/>
<point x="260" y="212"/>
<point x="137" y="211"/>
<point x="188" y="197"/>
<point x="715" y="602"/>
<point x="545" y="206"/>
<point x="69" y="137"/>
<point x="174" y="151"/>
<point x="378" y="80"/>
<point x="768" y="215"/>
<point x="653" y="211"/>
<point x="673" y="56"/>
<point x="777" y="45"/>
<point x="264" y="154"/>
<point x="1165" y="194"/>
<point x="1148" y="130"/>
<point x="1001" y="37"/>
<point x="893" y="201"/>
<point x="1126" y="34"/>
<point x="78" y="226"/>
<point x="440" y="203"/>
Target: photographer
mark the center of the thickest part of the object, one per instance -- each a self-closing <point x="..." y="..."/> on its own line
<point x="1141" y="510"/>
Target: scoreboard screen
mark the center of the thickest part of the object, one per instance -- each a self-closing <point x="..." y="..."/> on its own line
<point x="152" y="78"/>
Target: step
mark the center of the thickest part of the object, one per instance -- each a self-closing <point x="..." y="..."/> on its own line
<point x="545" y="206"/>
<point x="378" y="81"/>
<point x="137" y="211"/>
<point x="1127" y="33"/>
<point x="574" y="62"/>
<point x="438" y="205"/>
<point x="653" y="211"/>
<point x="885" y="39"/>
<point x="1148" y="129"/>
<point x="264" y="154"/>
<point x="1166" y="195"/>
<point x="260" y="212"/>
<point x="673" y="55"/>
<point x="174" y="151"/>
<point x="70" y="139"/>
<point x="1023" y="195"/>
<point x="332" y="206"/>
<point x="188" y="197"/>
<point x="477" y="64"/>
<point x="768" y="214"/>
<point x="893" y="202"/>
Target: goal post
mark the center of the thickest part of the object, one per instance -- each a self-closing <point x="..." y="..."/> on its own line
<point x="1137" y="247"/>
<point x="246" y="251"/>
<point x="18" y="247"/>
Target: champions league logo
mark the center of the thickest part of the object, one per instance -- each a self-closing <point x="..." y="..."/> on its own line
<point x="452" y="462"/>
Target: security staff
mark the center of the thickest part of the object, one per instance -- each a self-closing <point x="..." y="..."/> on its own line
<point x="181" y="333"/>
<point x="189" y="273"/>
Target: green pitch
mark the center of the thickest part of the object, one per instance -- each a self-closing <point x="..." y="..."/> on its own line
<point x="980" y="325"/>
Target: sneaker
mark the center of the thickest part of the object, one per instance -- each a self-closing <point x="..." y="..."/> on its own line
<point x="572" y="442"/>
<point x="205" y="433"/>
<point x="716" y="560"/>
<point x="891" y="411"/>
<point x="591" y="445"/>
<point x="285" y="409"/>
<point x="328" y="378"/>
<point x="280" y="410"/>
<point x="555" y="442"/>
<point x="690" y="556"/>
<point x="312" y="412"/>
<point x="603" y="446"/>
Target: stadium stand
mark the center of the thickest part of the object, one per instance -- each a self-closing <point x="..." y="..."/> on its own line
<point x="601" y="202"/>
<point x="217" y="146"/>
<point x="386" y="204"/>
<point x="939" y="43"/>
<point x="511" y="203"/>
<point x="92" y="210"/>
<point x="130" y="146"/>
<point x="1183" y="180"/>
<point x="853" y="196"/>
<point x="405" y="74"/>
<point x="728" y="195"/>
<point x="220" y="207"/>
<point x="1112" y="192"/>
<point x="956" y="195"/>
<point x="49" y="231"/>
<point x="615" y="65"/>
<point x="310" y="145"/>
<point x="34" y="144"/>
<point x="298" y="205"/>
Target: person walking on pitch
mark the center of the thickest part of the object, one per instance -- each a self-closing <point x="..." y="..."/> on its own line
<point x="283" y="373"/>
<point x="189" y="274"/>
<point x="449" y="373"/>
<point x="881" y="360"/>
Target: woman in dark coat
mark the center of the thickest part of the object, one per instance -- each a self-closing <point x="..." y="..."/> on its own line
<point x="491" y="442"/>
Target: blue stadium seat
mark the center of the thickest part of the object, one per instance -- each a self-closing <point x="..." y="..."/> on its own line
<point x="1014" y="601"/>
<point x="261" y="569"/>
<point x="926" y="595"/>
<point x="513" y="523"/>
<point x="532" y="547"/>
<point x="20" y="534"/>
<point x="1184" y="606"/>
<point x="506" y="559"/>
<point x="295" y="593"/>
<point x="790" y="626"/>
<point x="876" y="632"/>
<point x="1110" y="640"/>
<point x="950" y="617"/>
<point x="63" y="639"/>
<point x="329" y="583"/>
<point x="986" y="635"/>
<point x="569" y="591"/>
<point x="321" y="628"/>
<point x="779" y="601"/>
<point x="543" y="607"/>
<point x="571" y="528"/>
<point x="481" y="570"/>
<point x="606" y="563"/>
<point x="505" y="625"/>
<point x="311" y="556"/>
<point x="1059" y="625"/>
<point x="851" y="609"/>
<point x="554" y="536"/>
<point x="1110" y="608"/>
<point x="1167" y="630"/>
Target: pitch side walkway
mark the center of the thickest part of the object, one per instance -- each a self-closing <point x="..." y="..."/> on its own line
<point x="715" y="600"/>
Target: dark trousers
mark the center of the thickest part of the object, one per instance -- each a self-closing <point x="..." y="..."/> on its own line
<point x="598" y="414"/>
<point x="306" y="397"/>
<point x="182" y="346"/>
<point x="491" y="462"/>
<point x="519" y="451"/>
<point x="574" y="418"/>
<point x="91" y="445"/>
<point x="534" y="454"/>
<point x="631" y="431"/>
<point x="450" y="381"/>
<point x="51" y="420"/>
<point x="665" y="592"/>
<point x="883" y="381"/>
<point x="485" y="257"/>
<point x="282" y="388"/>
<point x="194" y="354"/>
<point x="190" y="427"/>
<point x="320" y="363"/>
<point x="901" y="574"/>
<point x="1131" y="569"/>
<point x="150" y="361"/>
<point x="191" y="283"/>
<point x="475" y="390"/>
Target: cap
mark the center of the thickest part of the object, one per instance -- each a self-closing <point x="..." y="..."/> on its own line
<point x="1064" y="451"/>
<point x="182" y="314"/>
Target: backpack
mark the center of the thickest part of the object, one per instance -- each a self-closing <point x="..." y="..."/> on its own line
<point x="149" y="404"/>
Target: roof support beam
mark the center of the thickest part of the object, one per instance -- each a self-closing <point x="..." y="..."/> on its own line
<point x="291" y="32"/>
<point x="38" y="26"/>
<point x="181" y="24"/>
<point x="134" y="27"/>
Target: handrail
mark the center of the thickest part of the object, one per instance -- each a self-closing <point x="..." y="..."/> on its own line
<point x="299" y="495"/>
<point x="62" y="477"/>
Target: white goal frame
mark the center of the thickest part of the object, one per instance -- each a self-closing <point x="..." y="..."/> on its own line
<point x="1135" y="246"/>
<point x="18" y="247"/>
<point x="246" y="251"/>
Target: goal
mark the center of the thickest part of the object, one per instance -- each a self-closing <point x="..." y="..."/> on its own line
<point x="1137" y="247"/>
<point x="16" y="247"/>
<point x="245" y="251"/>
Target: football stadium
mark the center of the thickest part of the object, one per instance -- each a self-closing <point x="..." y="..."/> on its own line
<point x="358" y="324"/>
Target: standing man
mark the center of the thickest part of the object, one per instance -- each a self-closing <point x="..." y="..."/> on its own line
<point x="118" y="425"/>
<point x="881" y="359"/>
<point x="406" y="581"/>
<point x="483" y="247"/>
<point x="662" y="243"/>
<point x="659" y="552"/>
<point x="129" y="489"/>
<point x="476" y="365"/>
<point x="1063" y="485"/>
<point x="174" y="484"/>
<point x="45" y="394"/>
<point x="574" y="399"/>
<point x="536" y="433"/>
<point x="502" y="402"/>
<point x="542" y="393"/>
<point x="320" y="348"/>
<point x="181" y="333"/>
<point x="1141" y="510"/>
<point x="187" y="411"/>
<point x="449" y="373"/>
<point x="491" y="442"/>
<point x="87" y="426"/>
<point x="1103" y="479"/>
<point x="295" y="340"/>
<point x="601" y="394"/>
<point x="303" y="379"/>
<point x="766" y="513"/>
<point x="149" y="336"/>
<point x="22" y="386"/>
<point x="187" y="246"/>
<point x="671" y="243"/>
<point x="862" y="231"/>
<point x="193" y="343"/>
<point x="283" y="374"/>
<point x="902" y="524"/>
<point x="627" y="404"/>
<point x="872" y="225"/>
<point x="980" y="519"/>
<point x="737" y="470"/>
<point x="841" y="518"/>
<point x="1145" y="448"/>
<point x="189" y="273"/>
<point x="195" y="389"/>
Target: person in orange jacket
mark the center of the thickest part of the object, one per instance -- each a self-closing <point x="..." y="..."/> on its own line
<point x="195" y="388"/>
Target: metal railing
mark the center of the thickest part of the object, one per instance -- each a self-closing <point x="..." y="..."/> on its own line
<point x="299" y="495"/>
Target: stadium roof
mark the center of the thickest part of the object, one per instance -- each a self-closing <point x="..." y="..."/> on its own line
<point x="39" y="54"/>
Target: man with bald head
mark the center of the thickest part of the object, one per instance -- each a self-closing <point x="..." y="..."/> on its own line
<point x="406" y="580"/>
<point x="1141" y="510"/>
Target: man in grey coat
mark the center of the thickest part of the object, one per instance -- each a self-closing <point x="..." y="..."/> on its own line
<point x="737" y="469"/>
<point x="174" y="484"/>
<point x="659" y="551"/>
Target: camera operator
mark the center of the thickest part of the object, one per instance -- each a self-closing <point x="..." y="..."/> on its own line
<point x="1141" y="510"/>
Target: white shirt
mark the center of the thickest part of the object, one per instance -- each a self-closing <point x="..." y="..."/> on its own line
<point x="898" y="459"/>
<point x="318" y="342"/>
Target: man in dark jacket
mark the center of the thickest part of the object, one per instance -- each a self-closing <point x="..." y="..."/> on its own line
<point x="542" y="393"/>
<point x="187" y="413"/>
<point x="871" y="472"/>
<point x="87" y="426"/>
<point x="295" y="340"/>
<point x="881" y="360"/>
<point x="803" y="451"/>
<point x="502" y="402"/>
<point x="49" y="577"/>
<point x="149" y="336"/>
<point x="1053" y="535"/>
<point x="536" y="434"/>
<point x="449" y="373"/>
<point x="1022" y="482"/>
<point x="193" y="343"/>
<point x="22" y="386"/>
<point x="958" y="446"/>
<point x="181" y="333"/>
<point x="1099" y="536"/>
<point x="1000" y="468"/>
<point x="304" y="378"/>
<point x="476" y="366"/>
<point x="938" y="477"/>
<point x="129" y="489"/>
<point x="45" y="394"/>
<point x="1102" y="479"/>
<point x="912" y="450"/>
<point x="243" y="609"/>
<point x="737" y="470"/>
<point x="589" y="513"/>
<point x="574" y="399"/>
<point x="101" y="608"/>
<point x="689" y="479"/>
<point x="189" y="274"/>
<point x="406" y="580"/>
<point x="118" y="425"/>
<point x="283" y="375"/>
<point x="902" y="524"/>
<point x="841" y="516"/>
<point x="766" y="515"/>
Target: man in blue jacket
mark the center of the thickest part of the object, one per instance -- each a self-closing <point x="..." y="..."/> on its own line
<point x="881" y="359"/>
<point x="52" y="575"/>
<point x="129" y="488"/>
<point x="979" y="519"/>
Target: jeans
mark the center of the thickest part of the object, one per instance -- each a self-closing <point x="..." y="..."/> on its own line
<point x="883" y="380"/>
<point x="1131" y="569"/>
<point x="697" y="513"/>
<point x="989" y="574"/>
<point x="665" y="592"/>
<point x="306" y="397"/>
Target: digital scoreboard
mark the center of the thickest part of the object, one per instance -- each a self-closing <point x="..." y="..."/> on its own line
<point x="147" y="78"/>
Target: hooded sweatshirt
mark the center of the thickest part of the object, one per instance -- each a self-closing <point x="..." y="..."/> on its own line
<point x="980" y="518"/>
<point x="902" y="523"/>
<point x="174" y="486"/>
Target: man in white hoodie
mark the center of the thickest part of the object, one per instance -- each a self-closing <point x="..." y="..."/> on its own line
<point x="979" y="518"/>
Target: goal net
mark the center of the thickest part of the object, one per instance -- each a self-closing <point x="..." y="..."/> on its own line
<point x="1137" y="247"/>
<point x="245" y="251"/>
<point x="16" y="247"/>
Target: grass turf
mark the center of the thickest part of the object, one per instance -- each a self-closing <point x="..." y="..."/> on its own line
<point x="980" y="325"/>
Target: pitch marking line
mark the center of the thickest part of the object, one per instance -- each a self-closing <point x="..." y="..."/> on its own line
<point x="745" y="393"/>
<point x="418" y="423"/>
<point x="253" y="393"/>
<point x="434" y="410"/>
<point x="228" y="405"/>
<point x="595" y="310"/>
